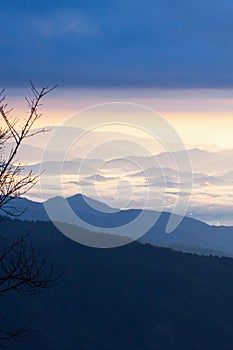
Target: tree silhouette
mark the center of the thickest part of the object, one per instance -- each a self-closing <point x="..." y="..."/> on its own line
<point x="22" y="268"/>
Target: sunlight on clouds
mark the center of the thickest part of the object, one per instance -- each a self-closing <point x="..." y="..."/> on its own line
<point x="199" y="118"/>
<point x="214" y="128"/>
<point x="125" y="129"/>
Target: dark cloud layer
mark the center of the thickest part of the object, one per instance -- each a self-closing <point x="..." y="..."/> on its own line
<point x="166" y="43"/>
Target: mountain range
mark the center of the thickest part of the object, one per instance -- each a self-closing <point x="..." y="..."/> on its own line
<point x="190" y="236"/>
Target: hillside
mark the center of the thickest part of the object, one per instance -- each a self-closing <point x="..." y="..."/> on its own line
<point x="190" y="236"/>
<point x="133" y="297"/>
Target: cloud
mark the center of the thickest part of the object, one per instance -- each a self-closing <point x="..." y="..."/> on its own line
<point x="63" y="24"/>
<point x="160" y="43"/>
<point x="182" y="194"/>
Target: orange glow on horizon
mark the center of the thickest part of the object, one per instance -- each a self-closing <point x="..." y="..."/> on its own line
<point x="198" y="117"/>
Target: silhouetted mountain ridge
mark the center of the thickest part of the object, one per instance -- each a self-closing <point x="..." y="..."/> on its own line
<point x="133" y="297"/>
<point x="191" y="235"/>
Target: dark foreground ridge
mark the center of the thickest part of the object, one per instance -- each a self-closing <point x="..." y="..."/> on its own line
<point x="133" y="297"/>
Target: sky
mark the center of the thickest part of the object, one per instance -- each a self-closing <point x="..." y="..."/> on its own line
<point x="173" y="56"/>
<point x="202" y="117"/>
<point x="131" y="43"/>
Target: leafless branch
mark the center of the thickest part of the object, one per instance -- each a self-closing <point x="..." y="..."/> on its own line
<point x="22" y="268"/>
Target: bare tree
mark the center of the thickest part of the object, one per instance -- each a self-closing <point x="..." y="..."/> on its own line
<point x="22" y="269"/>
